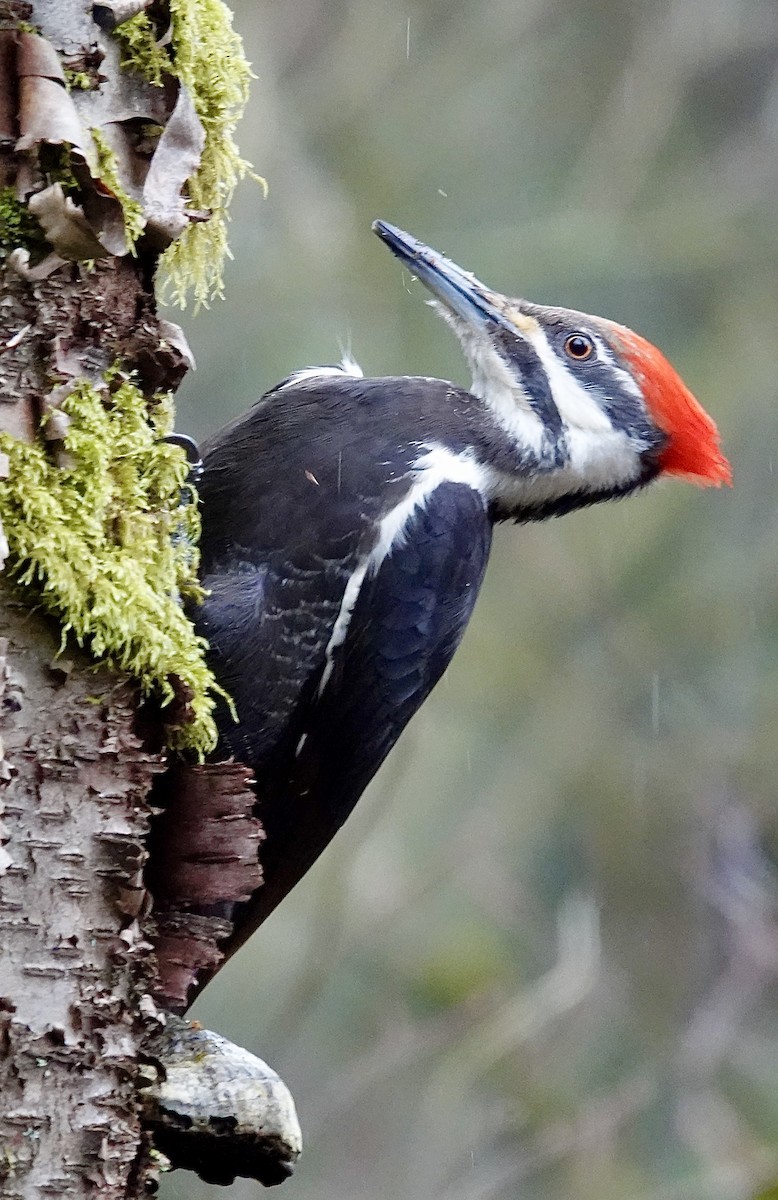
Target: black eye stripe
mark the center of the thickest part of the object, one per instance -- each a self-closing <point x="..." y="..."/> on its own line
<point x="526" y="364"/>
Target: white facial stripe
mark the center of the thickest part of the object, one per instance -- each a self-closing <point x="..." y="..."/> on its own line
<point x="577" y="407"/>
<point x="590" y="455"/>
<point x="599" y="456"/>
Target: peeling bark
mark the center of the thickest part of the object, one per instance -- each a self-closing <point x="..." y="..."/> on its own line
<point x="204" y="858"/>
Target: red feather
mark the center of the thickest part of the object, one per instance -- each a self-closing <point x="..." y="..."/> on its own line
<point x="694" y="448"/>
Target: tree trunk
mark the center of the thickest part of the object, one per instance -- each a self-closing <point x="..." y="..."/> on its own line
<point x="75" y="960"/>
<point x="94" y="160"/>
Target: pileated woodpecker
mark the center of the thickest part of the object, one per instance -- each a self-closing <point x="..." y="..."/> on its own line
<point x="347" y="524"/>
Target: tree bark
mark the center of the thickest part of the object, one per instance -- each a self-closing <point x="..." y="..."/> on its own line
<point x="75" y="959"/>
<point x="93" y="166"/>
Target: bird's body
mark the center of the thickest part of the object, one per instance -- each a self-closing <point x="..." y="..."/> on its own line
<point x="349" y="595"/>
<point x="347" y="524"/>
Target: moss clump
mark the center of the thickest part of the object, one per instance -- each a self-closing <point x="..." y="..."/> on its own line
<point x="206" y="54"/>
<point x="210" y="62"/>
<point x="110" y="545"/>
<point x="108" y="172"/>
<point x="141" y="51"/>
<point x="18" y="227"/>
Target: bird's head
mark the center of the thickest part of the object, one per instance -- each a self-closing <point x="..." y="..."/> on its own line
<point x="595" y="408"/>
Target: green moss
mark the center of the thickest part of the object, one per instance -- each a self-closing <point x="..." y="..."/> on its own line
<point x="208" y="58"/>
<point x="109" y="545"/>
<point x="140" y="49"/>
<point x="56" y="162"/>
<point x="18" y="227"/>
<point x="210" y="62"/>
<point x="108" y="172"/>
<point x="79" y="81"/>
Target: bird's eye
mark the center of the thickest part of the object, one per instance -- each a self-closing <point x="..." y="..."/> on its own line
<point x="579" y="347"/>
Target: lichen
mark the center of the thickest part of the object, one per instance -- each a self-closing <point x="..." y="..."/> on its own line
<point x="206" y="54"/>
<point x="107" y="169"/>
<point x="18" y="226"/>
<point x="108" y="542"/>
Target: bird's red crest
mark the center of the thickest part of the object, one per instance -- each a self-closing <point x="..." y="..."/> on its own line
<point x="694" y="448"/>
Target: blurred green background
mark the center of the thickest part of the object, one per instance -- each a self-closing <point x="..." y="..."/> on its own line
<point x="541" y="959"/>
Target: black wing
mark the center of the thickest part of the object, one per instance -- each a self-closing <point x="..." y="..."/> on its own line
<point x="293" y="494"/>
<point x="284" y="525"/>
<point x="268" y="626"/>
<point x="406" y="624"/>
